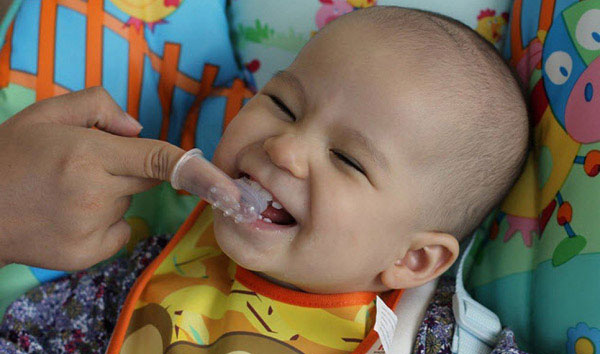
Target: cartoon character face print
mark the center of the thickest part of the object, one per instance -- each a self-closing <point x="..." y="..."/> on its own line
<point x="561" y="66"/>
<point x="330" y="10"/>
<point x="570" y="70"/>
<point x="581" y="111"/>
<point x="583" y="105"/>
<point x="490" y="25"/>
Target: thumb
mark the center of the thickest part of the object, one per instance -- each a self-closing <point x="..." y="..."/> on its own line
<point x="145" y="158"/>
<point x="93" y="107"/>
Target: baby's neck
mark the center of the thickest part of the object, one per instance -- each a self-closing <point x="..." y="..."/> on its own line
<point x="278" y="282"/>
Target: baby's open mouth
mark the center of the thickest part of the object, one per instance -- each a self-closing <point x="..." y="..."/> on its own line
<point x="275" y="212"/>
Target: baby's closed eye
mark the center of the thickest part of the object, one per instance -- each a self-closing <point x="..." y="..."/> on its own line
<point x="282" y="106"/>
<point x="348" y="161"/>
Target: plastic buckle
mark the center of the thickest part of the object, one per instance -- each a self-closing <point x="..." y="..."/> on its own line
<point x="476" y="319"/>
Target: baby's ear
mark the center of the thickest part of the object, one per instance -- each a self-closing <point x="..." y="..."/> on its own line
<point x="429" y="255"/>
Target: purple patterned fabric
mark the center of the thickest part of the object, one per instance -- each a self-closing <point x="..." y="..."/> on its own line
<point x="506" y="344"/>
<point x="436" y="330"/>
<point x="435" y="333"/>
<point x="77" y="314"/>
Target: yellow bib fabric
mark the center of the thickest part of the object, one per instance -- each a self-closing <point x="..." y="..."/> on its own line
<point x="194" y="299"/>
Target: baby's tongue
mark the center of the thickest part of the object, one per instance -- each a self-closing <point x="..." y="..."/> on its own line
<point x="278" y="216"/>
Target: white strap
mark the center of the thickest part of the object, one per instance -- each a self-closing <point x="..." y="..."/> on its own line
<point x="477" y="328"/>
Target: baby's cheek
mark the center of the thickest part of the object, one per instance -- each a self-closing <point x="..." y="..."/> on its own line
<point x="345" y="241"/>
<point x="350" y="222"/>
<point x="368" y="232"/>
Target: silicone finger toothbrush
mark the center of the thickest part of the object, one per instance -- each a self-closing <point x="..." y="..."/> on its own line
<point x="235" y="198"/>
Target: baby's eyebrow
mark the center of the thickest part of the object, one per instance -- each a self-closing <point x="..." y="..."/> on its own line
<point x="367" y="144"/>
<point x="293" y="81"/>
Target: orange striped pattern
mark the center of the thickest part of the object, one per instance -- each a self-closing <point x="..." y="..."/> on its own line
<point x="168" y="75"/>
<point x="516" y="49"/>
<point x="29" y="81"/>
<point x="45" y="75"/>
<point x="136" y="71"/>
<point x="5" y="58"/>
<point x="546" y="12"/>
<point x="76" y="5"/>
<point x="235" y="100"/>
<point x="93" y="50"/>
<point x="188" y="136"/>
<point x="183" y="81"/>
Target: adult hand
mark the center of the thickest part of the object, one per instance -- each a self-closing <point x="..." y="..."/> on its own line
<point x="65" y="187"/>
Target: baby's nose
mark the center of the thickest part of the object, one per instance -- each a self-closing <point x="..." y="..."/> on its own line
<point x="288" y="152"/>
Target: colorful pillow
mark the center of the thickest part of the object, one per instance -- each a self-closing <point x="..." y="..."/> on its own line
<point x="171" y="66"/>
<point x="538" y="269"/>
<point x="269" y="33"/>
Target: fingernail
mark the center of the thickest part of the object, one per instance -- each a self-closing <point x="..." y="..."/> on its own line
<point x="133" y="122"/>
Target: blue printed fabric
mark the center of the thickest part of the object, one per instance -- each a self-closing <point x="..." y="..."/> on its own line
<point x="538" y="266"/>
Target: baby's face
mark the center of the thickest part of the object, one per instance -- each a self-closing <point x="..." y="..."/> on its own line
<point x="333" y="138"/>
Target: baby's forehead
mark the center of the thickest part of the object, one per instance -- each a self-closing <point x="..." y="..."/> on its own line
<point x="419" y="50"/>
<point x="408" y="32"/>
<point x="372" y="77"/>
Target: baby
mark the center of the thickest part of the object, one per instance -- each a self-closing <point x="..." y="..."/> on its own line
<point x="386" y="142"/>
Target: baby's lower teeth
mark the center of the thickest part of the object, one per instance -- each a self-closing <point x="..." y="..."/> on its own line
<point x="267" y="220"/>
<point x="277" y="205"/>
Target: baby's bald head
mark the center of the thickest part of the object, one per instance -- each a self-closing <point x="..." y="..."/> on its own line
<point x="469" y="155"/>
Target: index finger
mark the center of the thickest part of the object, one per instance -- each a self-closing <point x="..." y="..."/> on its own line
<point x="140" y="157"/>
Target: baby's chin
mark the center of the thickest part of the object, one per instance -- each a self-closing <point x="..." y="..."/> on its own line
<point x="252" y="249"/>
